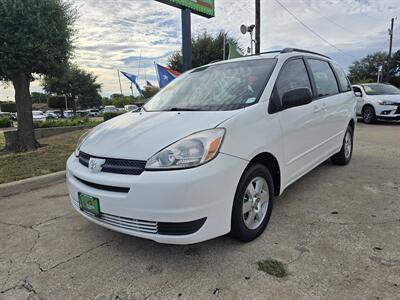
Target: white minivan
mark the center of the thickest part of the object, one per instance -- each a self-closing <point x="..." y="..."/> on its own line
<point x="207" y="155"/>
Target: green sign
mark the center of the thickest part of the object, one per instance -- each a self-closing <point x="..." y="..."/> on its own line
<point x="203" y="8"/>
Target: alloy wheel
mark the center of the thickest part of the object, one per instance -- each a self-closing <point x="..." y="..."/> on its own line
<point x="255" y="203"/>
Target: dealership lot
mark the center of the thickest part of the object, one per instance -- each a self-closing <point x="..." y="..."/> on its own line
<point x="336" y="230"/>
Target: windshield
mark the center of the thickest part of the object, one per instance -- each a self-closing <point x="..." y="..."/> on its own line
<point x="381" y="89"/>
<point x="225" y="86"/>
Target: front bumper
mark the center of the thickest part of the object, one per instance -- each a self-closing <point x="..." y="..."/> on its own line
<point x="154" y="199"/>
<point x="388" y="112"/>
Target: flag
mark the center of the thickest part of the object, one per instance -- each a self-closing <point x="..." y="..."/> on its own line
<point x="165" y="75"/>
<point x="233" y="51"/>
<point x="149" y="84"/>
<point x="133" y="78"/>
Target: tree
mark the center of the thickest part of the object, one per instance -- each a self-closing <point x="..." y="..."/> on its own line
<point x="150" y="91"/>
<point x="35" y="38"/>
<point x="206" y="48"/>
<point x="75" y="83"/>
<point x="39" y="97"/>
<point x="366" y="69"/>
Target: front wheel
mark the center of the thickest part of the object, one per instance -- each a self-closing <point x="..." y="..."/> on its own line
<point x="343" y="157"/>
<point x="253" y="202"/>
<point x="369" y="115"/>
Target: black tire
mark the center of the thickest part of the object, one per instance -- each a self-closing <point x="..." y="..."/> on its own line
<point x="239" y="229"/>
<point x="343" y="157"/>
<point x="368" y="114"/>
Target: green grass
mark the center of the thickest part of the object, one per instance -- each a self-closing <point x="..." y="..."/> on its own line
<point x="49" y="158"/>
<point x="272" y="267"/>
<point x="2" y="141"/>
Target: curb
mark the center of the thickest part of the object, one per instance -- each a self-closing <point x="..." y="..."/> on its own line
<point x="30" y="184"/>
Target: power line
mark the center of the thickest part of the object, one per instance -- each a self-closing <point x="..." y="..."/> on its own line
<point x="330" y="20"/>
<point x="311" y="30"/>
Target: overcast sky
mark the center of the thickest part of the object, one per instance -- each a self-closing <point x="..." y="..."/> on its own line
<point x="117" y="34"/>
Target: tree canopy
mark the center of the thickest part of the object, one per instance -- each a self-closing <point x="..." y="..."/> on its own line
<point x="35" y="39"/>
<point x="206" y="48"/>
<point x="75" y="82"/>
<point x="366" y="69"/>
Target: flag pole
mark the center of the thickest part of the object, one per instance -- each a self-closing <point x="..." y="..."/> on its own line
<point x="119" y="79"/>
<point x="158" y="76"/>
<point x="140" y="60"/>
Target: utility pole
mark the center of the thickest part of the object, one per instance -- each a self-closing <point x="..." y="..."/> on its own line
<point x="186" y="39"/>
<point x="258" y="26"/>
<point x="390" y="49"/>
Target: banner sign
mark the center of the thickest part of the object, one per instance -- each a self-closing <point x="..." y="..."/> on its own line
<point x="203" y="8"/>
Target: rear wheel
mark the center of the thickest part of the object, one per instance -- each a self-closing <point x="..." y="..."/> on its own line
<point x="369" y="115"/>
<point x="344" y="156"/>
<point x="253" y="202"/>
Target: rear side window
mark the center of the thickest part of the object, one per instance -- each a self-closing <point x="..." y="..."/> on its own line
<point x="293" y="76"/>
<point x="342" y="77"/>
<point x="324" y="78"/>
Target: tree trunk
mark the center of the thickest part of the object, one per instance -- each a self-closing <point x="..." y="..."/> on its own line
<point x="26" y="136"/>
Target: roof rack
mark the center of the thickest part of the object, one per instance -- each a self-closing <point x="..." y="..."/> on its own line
<point x="289" y="50"/>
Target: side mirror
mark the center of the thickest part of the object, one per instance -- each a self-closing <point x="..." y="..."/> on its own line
<point x="297" y="97"/>
<point x="358" y="94"/>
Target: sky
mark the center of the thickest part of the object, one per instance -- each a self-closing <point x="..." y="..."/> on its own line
<point x="125" y="34"/>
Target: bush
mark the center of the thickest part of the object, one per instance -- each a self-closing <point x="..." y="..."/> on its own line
<point x="109" y="115"/>
<point x="65" y="123"/>
<point x="8" y="107"/>
<point x="5" y="122"/>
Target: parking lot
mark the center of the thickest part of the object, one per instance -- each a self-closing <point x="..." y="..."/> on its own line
<point x="336" y="231"/>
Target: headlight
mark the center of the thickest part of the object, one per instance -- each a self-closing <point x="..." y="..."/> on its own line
<point x="384" y="102"/>
<point x="80" y="142"/>
<point x="192" y="151"/>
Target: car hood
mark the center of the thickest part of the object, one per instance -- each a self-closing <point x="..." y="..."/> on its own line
<point x="141" y="135"/>
<point x="394" y="98"/>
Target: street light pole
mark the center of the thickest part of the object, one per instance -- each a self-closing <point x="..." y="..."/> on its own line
<point x="186" y="39"/>
<point x="258" y="26"/>
<point x="390" y="49"/>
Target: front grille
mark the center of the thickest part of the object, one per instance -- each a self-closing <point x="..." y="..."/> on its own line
<point x="116" y="166"/>
<point x="398" y="110"/>
<point x="131" y="224"/>
<point x="103" y="187"/>
<point x="152" y="227"/>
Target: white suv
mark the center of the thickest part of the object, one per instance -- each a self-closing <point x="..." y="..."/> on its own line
<point x="377" y="101"/>
<point x="208" y="153"/>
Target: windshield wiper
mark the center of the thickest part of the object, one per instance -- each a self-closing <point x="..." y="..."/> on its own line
<point x="182" y="109"/>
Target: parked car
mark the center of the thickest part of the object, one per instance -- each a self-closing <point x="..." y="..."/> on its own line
<point x="51" y="115"/>
<point x="131" y="107"/>
<point x="5" y="115"/>
<point x="110" y="108"/>
<point x="377" y="101"/>
<point x="93" y="112"/>
<point x="38" y="115"/>
<point x="68" y="114"/>
<point x="82" y="113"/>
<point x="207" y="155"/>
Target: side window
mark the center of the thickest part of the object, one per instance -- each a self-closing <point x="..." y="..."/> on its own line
<point x="293" y="76"/>
<point x="343" y="80"/>
<point x="324" y="78"/>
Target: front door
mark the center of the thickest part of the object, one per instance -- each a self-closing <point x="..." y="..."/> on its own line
<point x="299" y="124"/>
